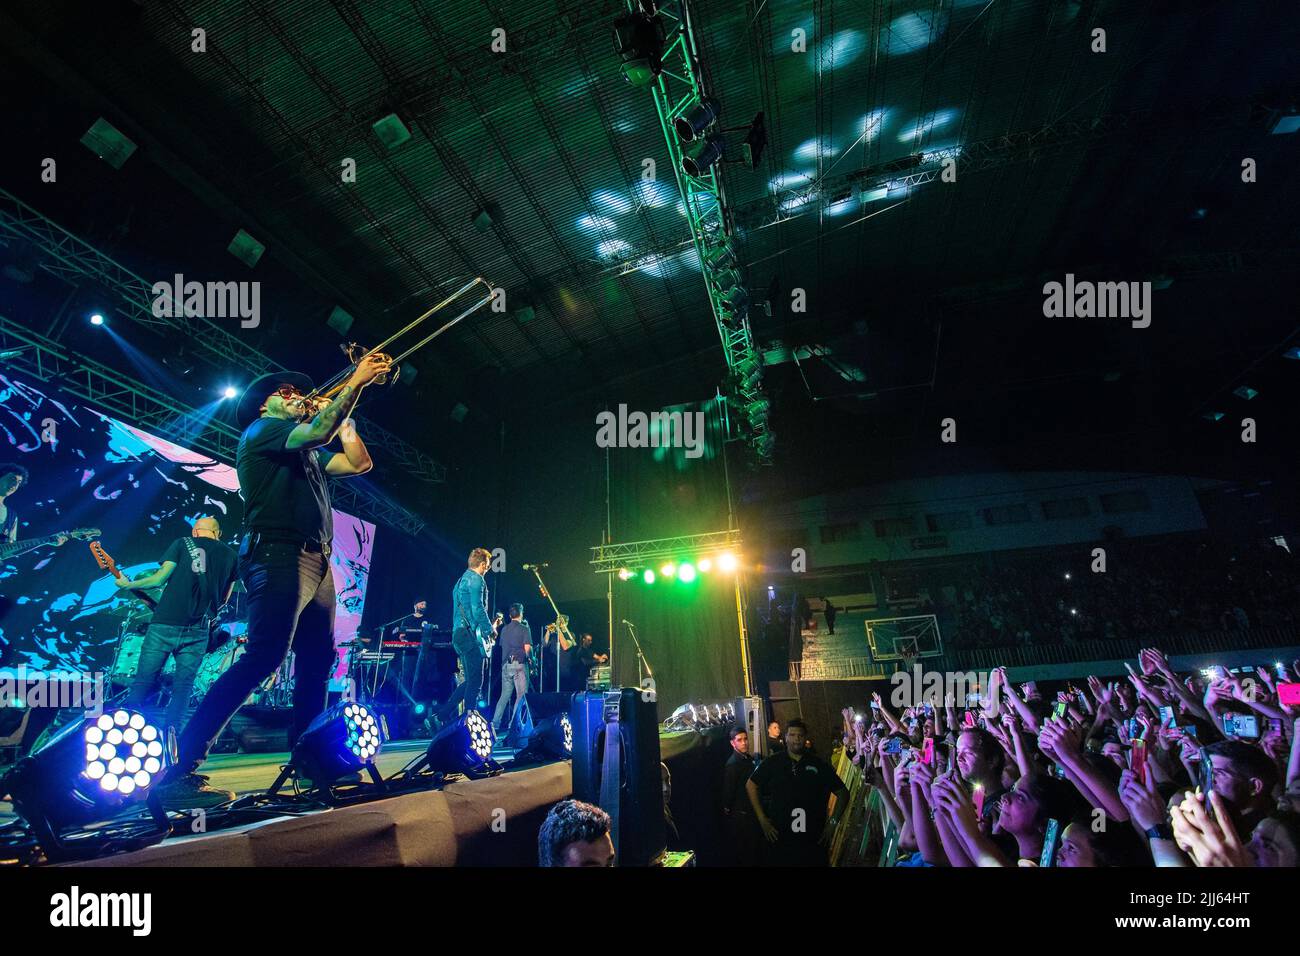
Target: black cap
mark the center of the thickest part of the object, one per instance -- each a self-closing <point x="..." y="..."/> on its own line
<point x="250" y="403"/>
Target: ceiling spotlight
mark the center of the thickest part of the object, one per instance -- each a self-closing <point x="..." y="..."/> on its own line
<point x="624" y="574"/>
<point x="686" y="573"/>
<point x="705" y="565"/>
<point x="668" y="570"/>
<point x="649" y="576"/>
<point x="229" y="392"/>
<point x="693" y="123"/>
<point x="709" y="151"/>
<point x="639" y="41"/>
<point x="726" y="280"/>
<point x="727" y="562"/>
<point x="97" y="319"/>
<point x="721" y="256"/>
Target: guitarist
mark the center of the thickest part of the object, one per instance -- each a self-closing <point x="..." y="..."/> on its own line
<point x="13" y="477"/>
<point x="199" y="572"/>
<point x="472" y="632"/>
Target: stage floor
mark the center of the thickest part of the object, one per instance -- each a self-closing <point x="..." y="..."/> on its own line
<point x="249" y="773"/>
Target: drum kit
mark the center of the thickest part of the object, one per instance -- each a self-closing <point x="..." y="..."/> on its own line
<point x="225" y="646"/>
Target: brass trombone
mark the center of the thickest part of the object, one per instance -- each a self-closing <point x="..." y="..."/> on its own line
<point x="325" y="393"/>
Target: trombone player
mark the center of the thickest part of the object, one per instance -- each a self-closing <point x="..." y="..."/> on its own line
<point x="285" y="557"/>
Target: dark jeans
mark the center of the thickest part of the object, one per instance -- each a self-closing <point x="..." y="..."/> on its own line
<point x="290" y="605"/>
<point x="189" y="644"/>
<point x="472" y="656"/>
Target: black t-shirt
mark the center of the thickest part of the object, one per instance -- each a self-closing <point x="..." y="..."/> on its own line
<point x="199" y="583"/>
<point x="786" y="785"/>
<point x="284" y="492"/>
<point x="738" y="769"/>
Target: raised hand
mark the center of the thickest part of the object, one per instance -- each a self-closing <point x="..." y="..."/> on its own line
<point x="1210" y="841"/>
<point x="1141" y="800"/>
<point x="370" y="368"/>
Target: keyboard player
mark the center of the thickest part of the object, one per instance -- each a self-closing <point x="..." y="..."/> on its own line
<point x="411" y="627"/>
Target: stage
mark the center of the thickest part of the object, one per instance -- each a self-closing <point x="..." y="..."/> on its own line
<point x="488" y="822"/>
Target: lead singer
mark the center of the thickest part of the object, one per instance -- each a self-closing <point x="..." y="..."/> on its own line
<point x="284" y="560"/>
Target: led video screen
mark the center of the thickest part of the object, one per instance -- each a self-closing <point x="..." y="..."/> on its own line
<point x="139" y="492"/>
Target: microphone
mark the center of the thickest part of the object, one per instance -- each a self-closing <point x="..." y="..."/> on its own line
<point x="628" y="623"/>
<point x="534" y="567"/>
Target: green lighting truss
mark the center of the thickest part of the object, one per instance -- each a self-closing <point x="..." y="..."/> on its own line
<point x="123" y="397"/>
<point x="609" y="558"/>
<point x="677" y="90"/>
<point x="75" y="261"/>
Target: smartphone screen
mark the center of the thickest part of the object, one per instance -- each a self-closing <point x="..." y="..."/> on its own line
<point x="977" y="797"/>
<point x="927" y="752"/>
<point x="1246" y="725"/>
<point x="969" y="719"/>
<point x="1138" y="761"/>
<point x="1050" y="837"/>
<point x="1059" y="708"/>
<point x="1167" y="716"/>
<point x="1207" y="780"/>
<point x="1289" y="694"/>
<point x="893" y="745"/>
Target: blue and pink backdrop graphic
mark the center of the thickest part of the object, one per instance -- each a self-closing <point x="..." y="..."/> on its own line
<point x="87" y="469"/>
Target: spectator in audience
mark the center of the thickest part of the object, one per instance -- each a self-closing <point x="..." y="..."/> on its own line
<point x="789" y="793"/>
<point x="743" y="835"/>
<point x="1084" y="845"/>
<point x="575" y="834"/>
<point x="775" y="742"/>
<point x="1245" y="778"/>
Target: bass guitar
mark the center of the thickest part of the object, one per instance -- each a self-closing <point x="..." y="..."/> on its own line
<point x="106" y="563"/>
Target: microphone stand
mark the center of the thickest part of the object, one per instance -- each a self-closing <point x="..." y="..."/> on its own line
<point x="641" y="661"/>
<point x="561" y="625"/>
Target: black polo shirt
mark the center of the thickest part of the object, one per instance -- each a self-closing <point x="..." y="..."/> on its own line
<point x="514" y="636"/>
<point x="786" y="785"/>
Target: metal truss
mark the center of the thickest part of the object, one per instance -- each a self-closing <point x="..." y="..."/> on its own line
<point x="147" y="408"/>
<point x="75" y="261"/>
<point x="607" y="558"/>
<point x="678" y="89"/>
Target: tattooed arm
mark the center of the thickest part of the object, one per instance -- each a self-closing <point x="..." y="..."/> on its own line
<point x="325" y="425"/>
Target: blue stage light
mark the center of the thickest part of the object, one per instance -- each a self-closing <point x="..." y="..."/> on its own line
<point x="96" y="319"/>
<point x="229" y="392"/>
<point x="341" y="741"/>
<point x="95" y="770"/>
<point x="464" y="747"/>
<point x="552" y="737"/>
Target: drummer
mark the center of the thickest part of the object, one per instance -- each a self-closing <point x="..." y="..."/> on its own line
<point x="199" y="573"/>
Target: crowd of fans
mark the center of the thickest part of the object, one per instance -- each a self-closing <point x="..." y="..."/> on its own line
<point x="1151" y="587"/>
<point x="1162" y="769"/>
